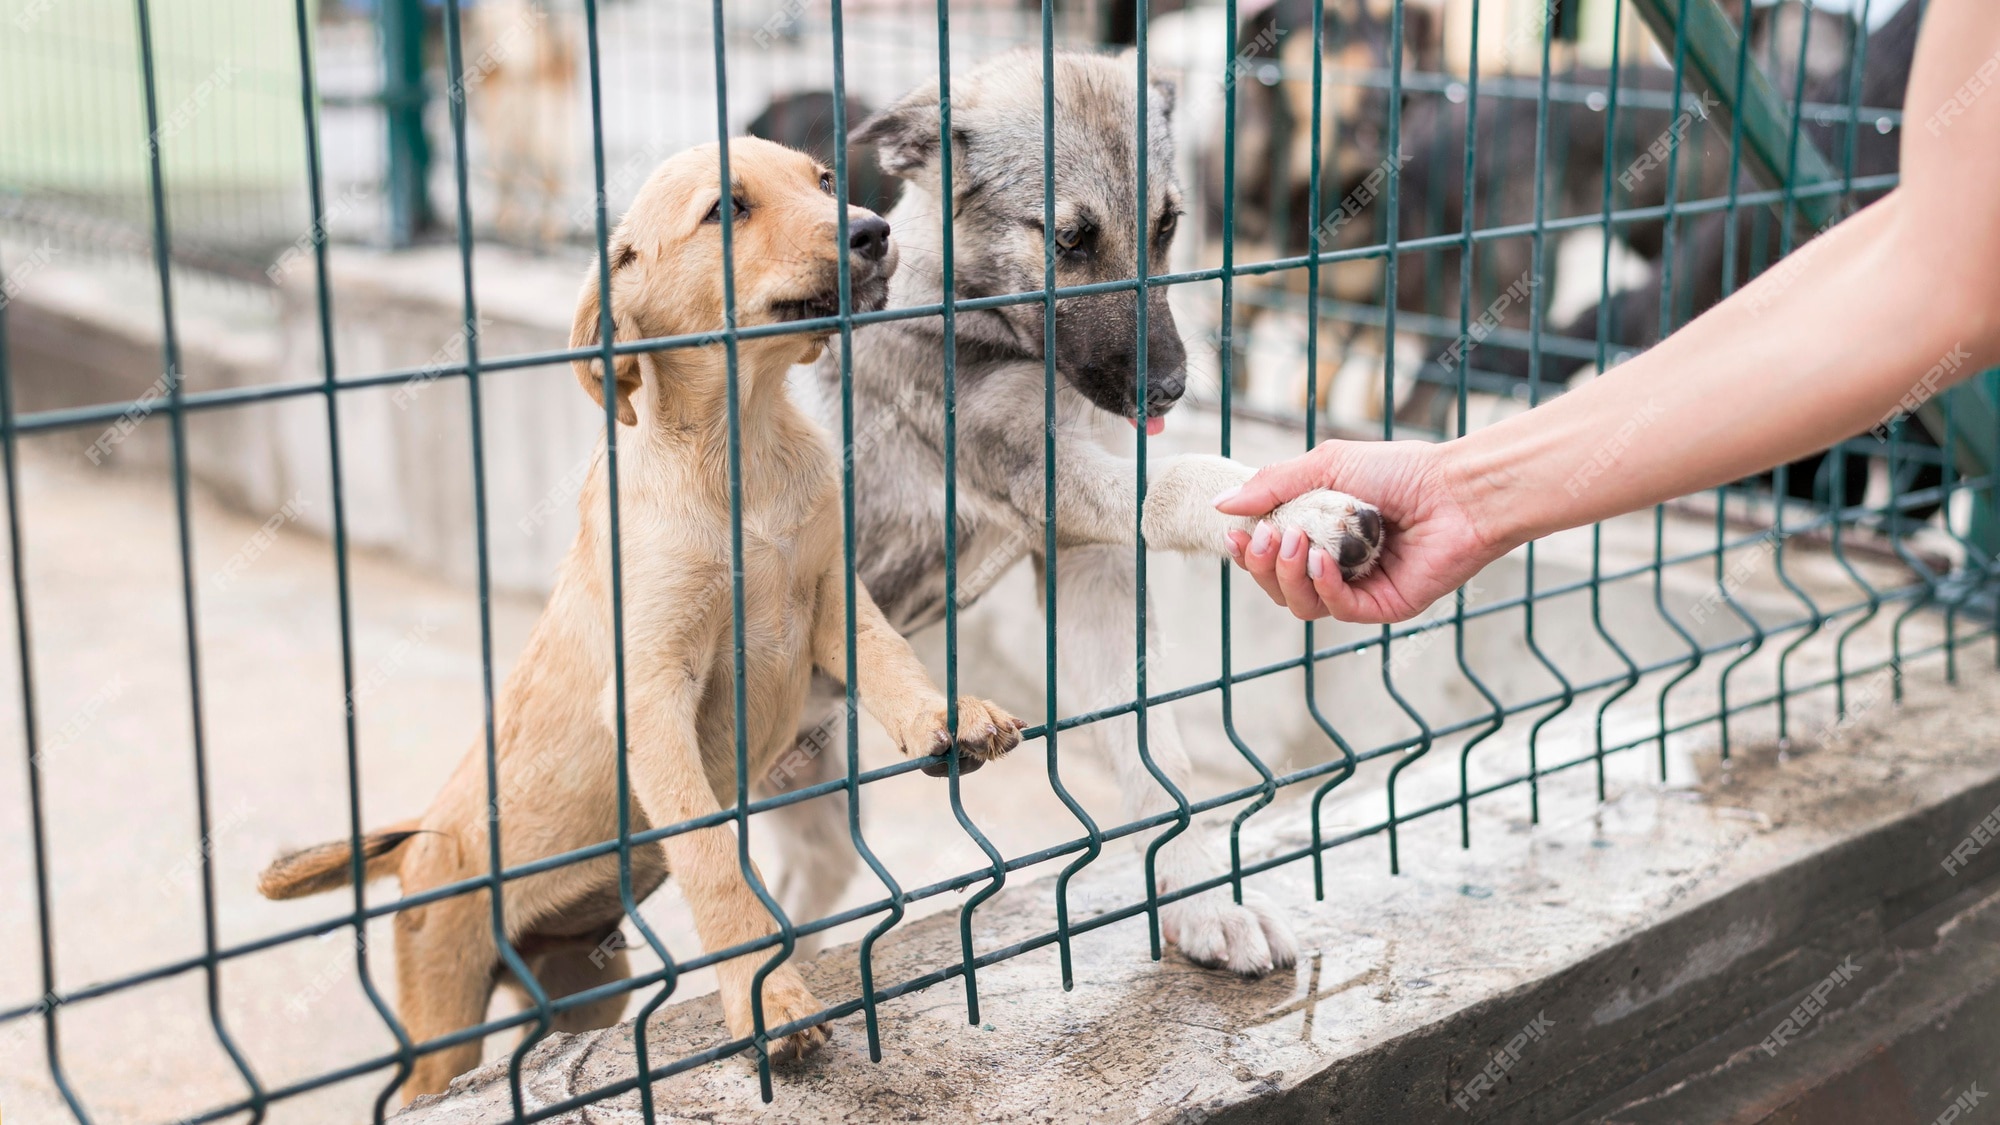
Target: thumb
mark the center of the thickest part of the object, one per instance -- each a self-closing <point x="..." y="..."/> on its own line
<point x="1274" y="484"/>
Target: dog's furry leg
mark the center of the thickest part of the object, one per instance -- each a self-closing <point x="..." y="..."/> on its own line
<point x="1095" y="650"/>
<point x="672" y="785"/>
<point x="818" y="858"/>
<point x="896" y="689"/>
<point x="445" y="961"/>
<point x="1180" y="513"/>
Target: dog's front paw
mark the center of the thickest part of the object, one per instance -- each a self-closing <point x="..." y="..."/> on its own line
<point x="1347" y="529"/>
<point x="985" y="732"/>
<point x="786" y="999"/>
<point x="1249" y="940"/>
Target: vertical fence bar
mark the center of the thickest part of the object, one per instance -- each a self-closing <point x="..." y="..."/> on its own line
<point x="1823" y="218"/>
<point x="184" y="522"/>
<point x="496" y="887"/>
<point x="850" y="715"/>
<point x="1389" y="403"/>
<point x="1607" y="232"/>
<point x="1314" y="174"/>
<point x="1729" y="250"/>
<point x="948" y="287"/>
<point x="344" y="594"/>
<point x="1538" y="273"/>
<point x="31" y="735"/>
<point x="1668" y="230"/>
<point x="740" y="689"/>
<point x="1468" y="198"/>
<point x="607" y="338"/>
<point x="1049" y="552"/>
<point x="1232" y="70"/>
<point x="1141" y="296"/>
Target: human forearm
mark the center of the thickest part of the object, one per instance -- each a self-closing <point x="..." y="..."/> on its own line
<point x="1806" y="355"/>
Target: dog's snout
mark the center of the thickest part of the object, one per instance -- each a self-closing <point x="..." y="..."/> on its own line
<point x="869" y="237"/>
<point x="1165" y="390"/>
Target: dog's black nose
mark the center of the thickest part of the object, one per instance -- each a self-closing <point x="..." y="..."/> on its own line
<point x="1165" y="390"/>
<point x="869" y="237"/>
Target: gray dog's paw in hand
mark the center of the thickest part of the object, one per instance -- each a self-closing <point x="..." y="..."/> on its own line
<point x="1350" y="531"/>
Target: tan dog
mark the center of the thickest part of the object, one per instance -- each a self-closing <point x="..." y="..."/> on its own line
<point x="555" y="717"/>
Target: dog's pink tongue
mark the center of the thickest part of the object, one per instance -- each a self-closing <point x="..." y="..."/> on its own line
<point x="1155" y="426"/>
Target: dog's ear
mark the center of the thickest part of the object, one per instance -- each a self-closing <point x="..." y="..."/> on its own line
<point x="905" y="135"/>
<point x="1163" y="95"/>
<point x="585" y="332"/>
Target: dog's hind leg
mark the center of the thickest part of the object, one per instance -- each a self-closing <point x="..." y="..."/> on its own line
<point x="817" y="858"/>
<point x="1095" y="648"/>
<point x="445" y="972"/>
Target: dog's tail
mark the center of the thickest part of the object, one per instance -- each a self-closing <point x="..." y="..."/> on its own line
<point x="325" y="867"/>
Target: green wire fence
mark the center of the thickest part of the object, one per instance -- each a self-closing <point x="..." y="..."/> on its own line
<point x="1766" y="151"/>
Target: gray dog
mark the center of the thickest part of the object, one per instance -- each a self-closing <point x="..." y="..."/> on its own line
<point x="1001" y="247"/>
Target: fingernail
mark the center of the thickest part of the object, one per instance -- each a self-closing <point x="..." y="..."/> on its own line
<point x="1315" y="563"/>
<point x="1226" y="495"/>
<point x="1290" y="546"/>
<point x="1260" y="543"/>
<point x="1229" y="545"/>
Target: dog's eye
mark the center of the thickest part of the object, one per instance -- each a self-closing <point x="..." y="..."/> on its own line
<point x="1169" y="222"/>
<point x="1070" y="242"/>
<point x="715" y="213"/>
<point x="826" y="182"/>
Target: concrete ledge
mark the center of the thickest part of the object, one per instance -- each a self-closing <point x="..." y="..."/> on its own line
<point x="1566" y="961"/>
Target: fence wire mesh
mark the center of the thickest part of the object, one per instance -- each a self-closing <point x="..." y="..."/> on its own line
<point x="1404" y="220"/>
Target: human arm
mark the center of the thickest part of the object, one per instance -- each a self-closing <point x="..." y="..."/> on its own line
<point x="1798" y="359"/>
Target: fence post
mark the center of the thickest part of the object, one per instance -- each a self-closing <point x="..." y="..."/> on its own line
<point x="407" y="177"/>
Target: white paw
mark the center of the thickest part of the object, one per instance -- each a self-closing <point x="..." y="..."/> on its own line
<point x="1249" y="940"/>
<point x="1348" y="530"/>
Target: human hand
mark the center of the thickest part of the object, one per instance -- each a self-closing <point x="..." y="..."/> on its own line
<point x="1433" y="546"/>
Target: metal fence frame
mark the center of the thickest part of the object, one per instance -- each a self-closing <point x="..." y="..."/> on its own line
<point x="1708" y="54"/>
